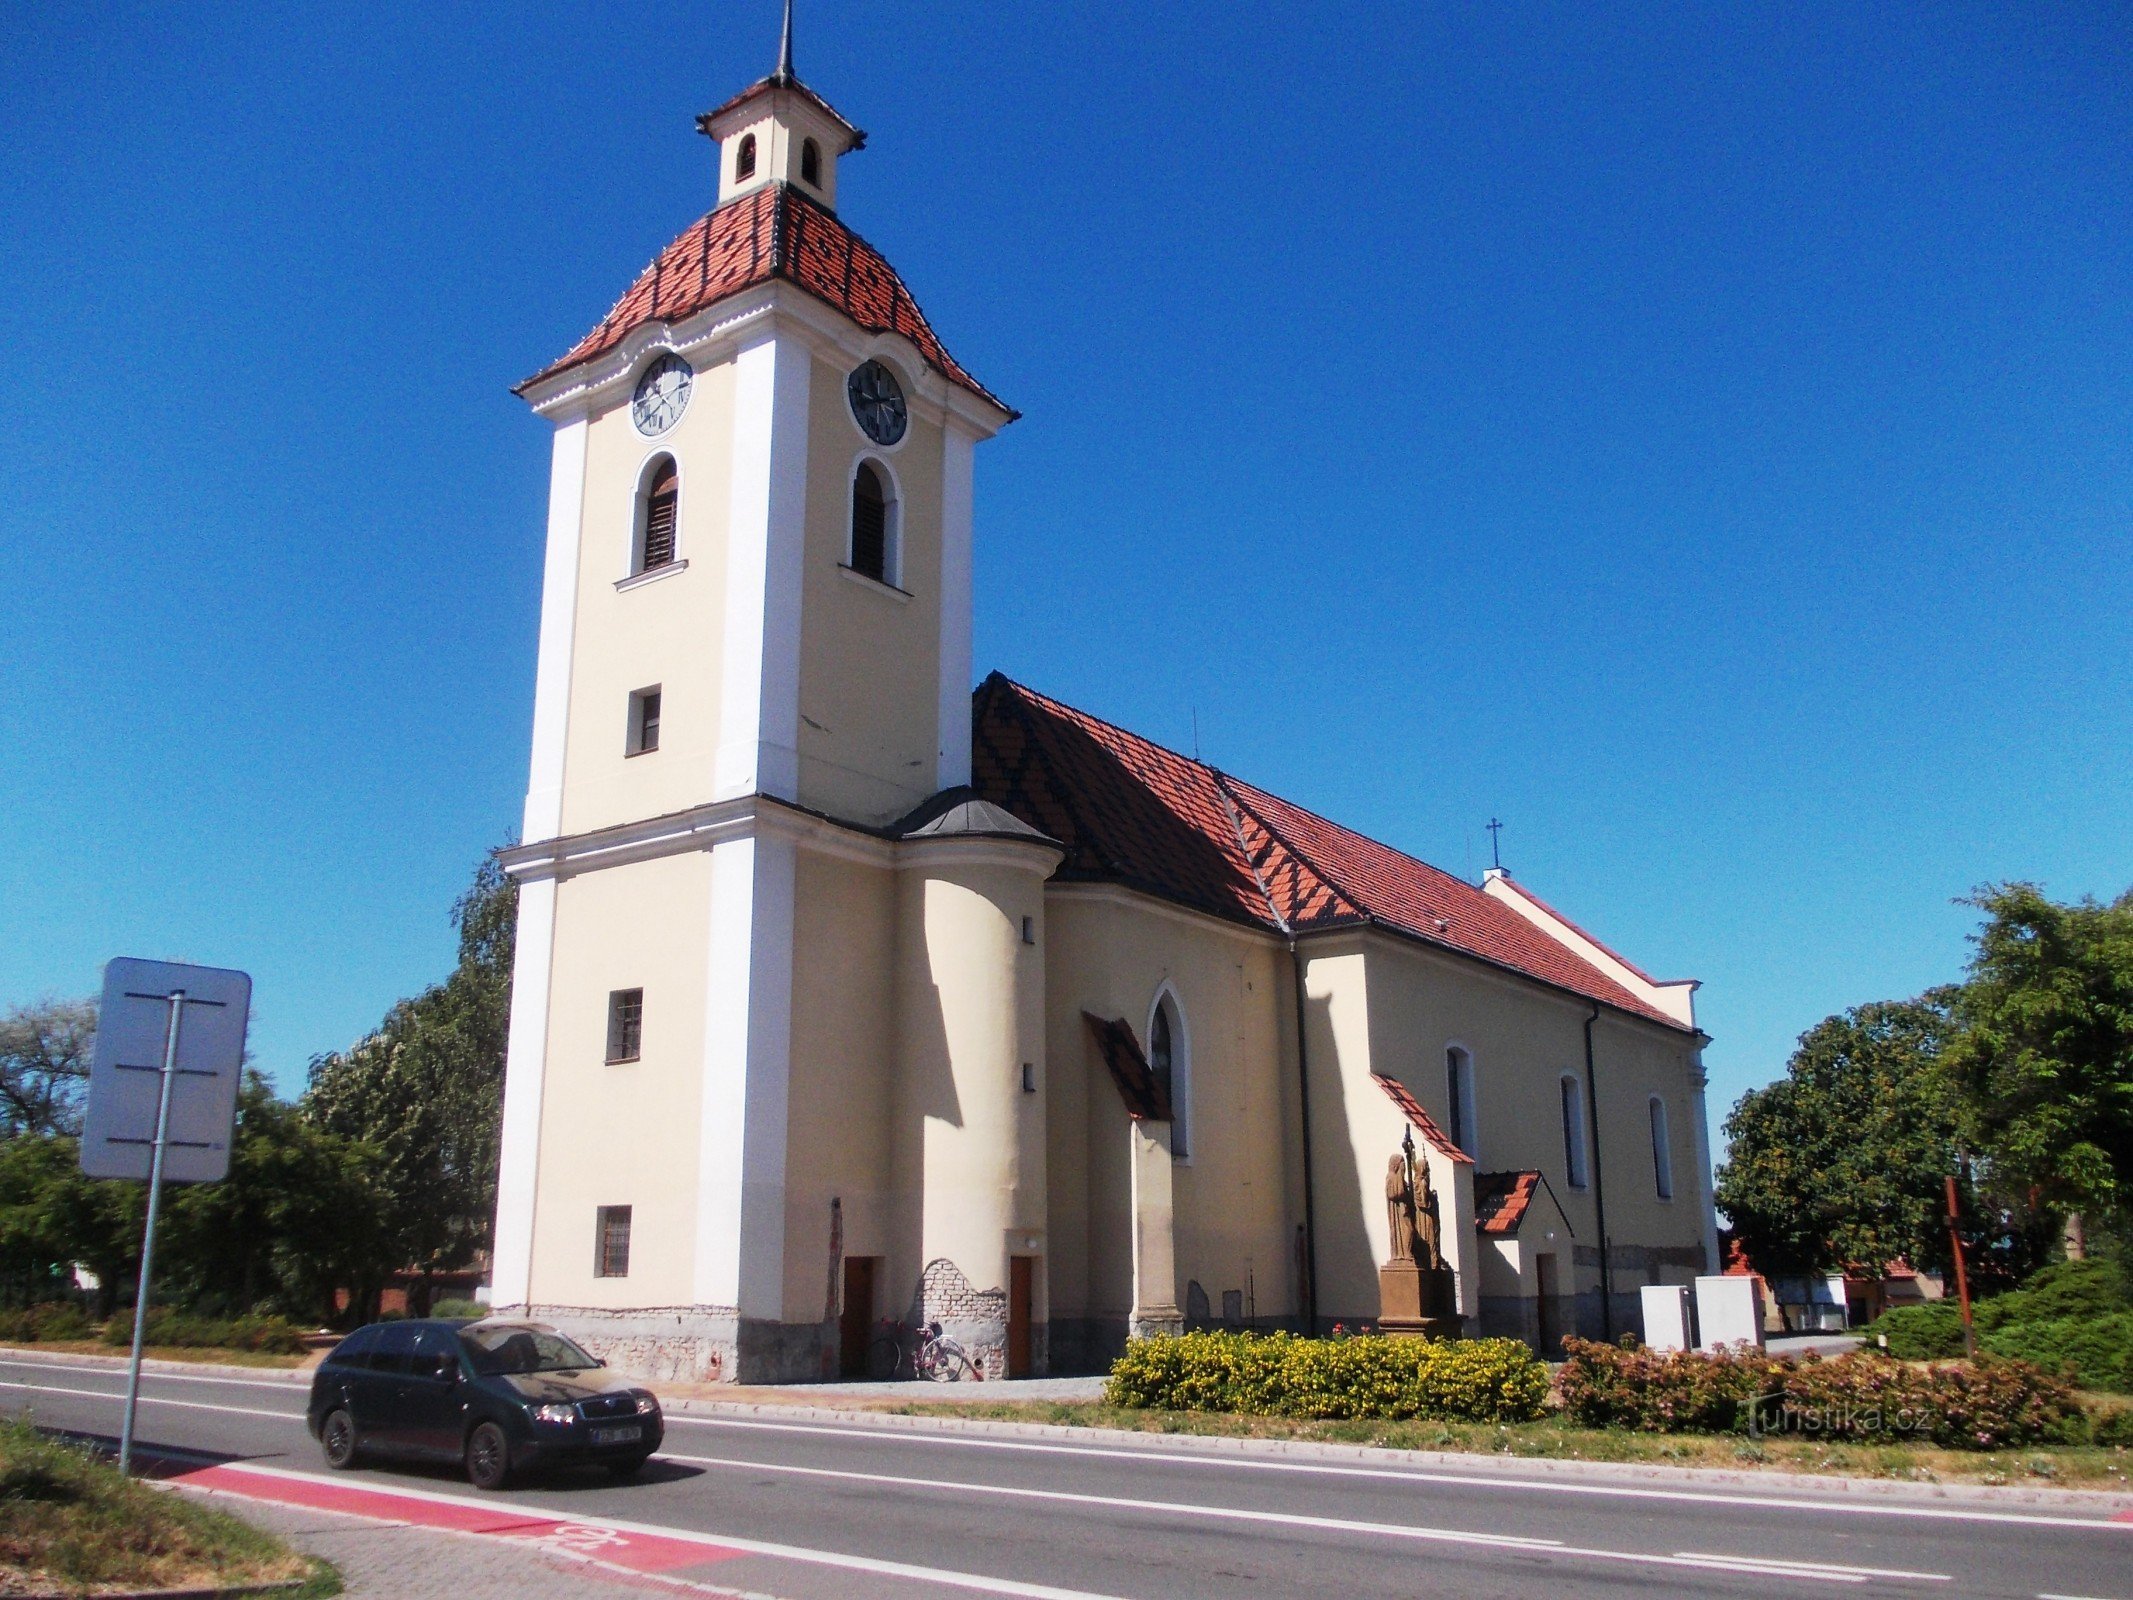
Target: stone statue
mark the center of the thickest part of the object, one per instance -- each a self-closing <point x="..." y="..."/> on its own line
<point x="1400" y="1209"/>
<point x="1430" y="1227"/>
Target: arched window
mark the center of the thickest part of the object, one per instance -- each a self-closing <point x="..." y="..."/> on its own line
<point x="1169" y="1058"/>
<point x="1573" y="1132"/>
<point x="658" y="507"/>
<point x="1459" y="1097"/>
<point x="744" y="158"/>
<point x="1662" y="1153"/>
<point x="810" y="163"/>
<point x="873" y="524"/>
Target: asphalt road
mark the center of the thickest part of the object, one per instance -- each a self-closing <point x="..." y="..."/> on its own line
<point x="815" y="1509"/>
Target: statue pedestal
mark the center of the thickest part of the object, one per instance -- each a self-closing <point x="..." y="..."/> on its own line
<point x="1417" y="1302"/>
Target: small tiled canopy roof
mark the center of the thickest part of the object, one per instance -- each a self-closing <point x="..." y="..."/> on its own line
<point x="774" y="232"/>
<point x="1130" y="812"/>
<point x="1501" y="1198"/>
<point x="1137" y="1083"/>
<point x="1424" y="1124"/>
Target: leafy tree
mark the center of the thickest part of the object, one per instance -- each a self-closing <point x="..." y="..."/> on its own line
<point x="297" y="1218"/>
<point x="425" y="1092"/>
<point x="2043" y="1064"/>
<point x="51" y="1217"/>
<point x="1841" y="1162"/>
<point x="44" y="1066"/>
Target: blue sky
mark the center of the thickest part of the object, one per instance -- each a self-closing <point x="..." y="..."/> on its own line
<point x="1699" y="436"/>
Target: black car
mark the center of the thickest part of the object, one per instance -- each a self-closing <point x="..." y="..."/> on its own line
<point x="498" y="1396"/>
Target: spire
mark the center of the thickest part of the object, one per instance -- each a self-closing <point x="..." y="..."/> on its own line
<point x="784" y="72"/>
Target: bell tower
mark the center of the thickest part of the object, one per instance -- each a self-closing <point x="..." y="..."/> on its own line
<point x="754" y="659"/>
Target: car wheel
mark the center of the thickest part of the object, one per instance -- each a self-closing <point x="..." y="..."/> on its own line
<point x="337" y="1437"/>
<point x="488" y="1457"/>
<point x="628" y="1468"/>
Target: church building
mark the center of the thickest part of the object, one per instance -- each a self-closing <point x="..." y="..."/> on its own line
<point x="847" y="998"/>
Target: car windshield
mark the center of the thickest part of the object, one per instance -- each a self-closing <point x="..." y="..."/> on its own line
<point x="503" y="1351"/>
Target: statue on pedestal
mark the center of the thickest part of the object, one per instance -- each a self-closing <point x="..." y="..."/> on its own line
<point x="1415" y="1286"/>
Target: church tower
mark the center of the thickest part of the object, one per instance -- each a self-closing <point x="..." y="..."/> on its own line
<point x="746" y="815"/>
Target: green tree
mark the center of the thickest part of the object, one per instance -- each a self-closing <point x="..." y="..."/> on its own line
<point x="1842" y="1161"/>
<point x="44" y="1066"/>
<point x="52" y="1217"/>
<point x="425" y="1092"/>
<point x="297" y="1218"/>
<point x="2043" y="1064"/>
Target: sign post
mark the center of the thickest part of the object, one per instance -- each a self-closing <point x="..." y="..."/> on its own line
<point x="186" y="1026"/>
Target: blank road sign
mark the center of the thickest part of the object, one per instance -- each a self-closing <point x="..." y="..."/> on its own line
<point x="126" y="1072"/>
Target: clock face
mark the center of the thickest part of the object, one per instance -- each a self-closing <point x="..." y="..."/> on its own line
<point x="877" y="402"/>
<point x="662" y="394"/>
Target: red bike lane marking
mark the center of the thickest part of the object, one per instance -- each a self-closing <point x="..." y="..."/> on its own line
<point x="634" y="1551"/>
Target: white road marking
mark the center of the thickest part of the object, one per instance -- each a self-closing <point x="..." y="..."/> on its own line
<point x="1807" y="1570"/>
<point x="2070" y="1597"/>
<point x="721" y="1541"/>
<point x="154" y="1377"/>
<point x="148" y="1399"/>
<point x="1415" y="1475"/>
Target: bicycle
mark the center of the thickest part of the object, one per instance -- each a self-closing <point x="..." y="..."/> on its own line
<point x="932" y="1355"/>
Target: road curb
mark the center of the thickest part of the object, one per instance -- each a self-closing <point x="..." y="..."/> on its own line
<point x="293" y="1376"/>
<point x="1834" y="1487"/>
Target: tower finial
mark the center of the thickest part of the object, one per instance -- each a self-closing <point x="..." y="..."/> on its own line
<point x="785" y="45"/>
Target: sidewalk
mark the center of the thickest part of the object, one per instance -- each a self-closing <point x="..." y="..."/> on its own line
<point x="399" y="1561"/>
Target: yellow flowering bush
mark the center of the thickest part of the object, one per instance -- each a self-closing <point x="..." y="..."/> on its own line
<point x="1469" y="1380"/>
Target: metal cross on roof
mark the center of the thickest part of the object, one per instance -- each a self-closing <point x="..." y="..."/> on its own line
<point x="1496" y="843"/>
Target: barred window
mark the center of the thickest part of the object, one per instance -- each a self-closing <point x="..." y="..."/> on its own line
<point x="611" y="1251"/>
<point x="644" y="722"/>
<point x="744" y="158"/>
<point x="625" y="1024"/>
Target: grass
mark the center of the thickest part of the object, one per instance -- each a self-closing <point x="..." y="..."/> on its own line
<point x="1551" y="1438"/>
<point x="69" y="1523"/>
<point x="167" y="1352"/>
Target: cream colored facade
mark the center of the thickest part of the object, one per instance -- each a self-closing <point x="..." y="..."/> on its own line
<point x="862" y="1085"/>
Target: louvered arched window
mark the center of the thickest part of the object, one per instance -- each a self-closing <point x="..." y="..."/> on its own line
<point x="810" y="163"/>
<point x="744" y="158"/>
<point x="658" y="509"/>
<point x="873" y="524"/>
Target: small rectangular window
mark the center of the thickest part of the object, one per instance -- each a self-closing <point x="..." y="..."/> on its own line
<point x="611" y="1256"/>
<point x="1029" y="1077"/>
<point x="625" y="1024"/>
<point x="1029" y="930"/>
<point x="644" y="721"/>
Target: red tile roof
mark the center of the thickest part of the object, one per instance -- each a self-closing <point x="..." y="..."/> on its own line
<point x="1501" y="1199"/>
<point x="774" y="232"/>
<point x="785" y="81"/>
<point x="1424" y="1124"/>
<point x="1133" y="813"/>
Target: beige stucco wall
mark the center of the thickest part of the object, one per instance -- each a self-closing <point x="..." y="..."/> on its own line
<point x="843" y="1026"/>
<point x="1110" y="954"/>
<point x="869" y="654"/>
<point x="639" y="926"/>
<point x="666" y="632"/>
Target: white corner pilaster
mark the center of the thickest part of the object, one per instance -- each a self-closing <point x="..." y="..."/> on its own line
<point x="958" y="499"/>
<point x="759" y="709"/>
<point x="525" y="1067"/>
<point x="740" y="1186"/>
<point x="559" y="616"/>
<point x="1699" y="1084"/>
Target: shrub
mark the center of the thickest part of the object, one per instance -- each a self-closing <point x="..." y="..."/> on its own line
<point x="2113" y="1427"/>
<point x="1984" y="1405"/>
<point x="2098" y="1350"/>
<point x="180" y="1330"/>
<point x="459" y="1308"/>
<point x="1929" y="1332"/>
<point x="2066" y="1289"/>
<point x="1476" y="1380"/>
<point x="58" y="1319"/>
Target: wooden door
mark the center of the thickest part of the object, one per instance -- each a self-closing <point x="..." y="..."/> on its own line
<point x="857" y="1320"/>
<point x="1549" y="1307"/>
<point x="1021" y="1308"/>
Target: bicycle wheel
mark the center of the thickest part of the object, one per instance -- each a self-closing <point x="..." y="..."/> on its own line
<point x="885" y="1358"/>
<point x="949" y="1364"/>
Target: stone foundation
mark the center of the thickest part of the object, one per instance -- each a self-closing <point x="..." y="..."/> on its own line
<point x="974" y="1318"/>
<point x="695" y="1344"/>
